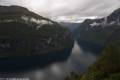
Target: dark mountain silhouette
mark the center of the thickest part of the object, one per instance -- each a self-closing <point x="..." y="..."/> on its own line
<point x="28" y="40"/>
<point x="97" y="31"/>
<point x="107" y="66"/>
<point x="70" y="25"/>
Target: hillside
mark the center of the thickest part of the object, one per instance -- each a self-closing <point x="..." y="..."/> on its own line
<point x="95" y="32"/>
<point x="107" y="67"/>
<point x="17" y="22"/>
<point x="27" y="37"/>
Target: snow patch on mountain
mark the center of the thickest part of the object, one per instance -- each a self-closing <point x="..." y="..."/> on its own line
<point x="105" y="23"/>
<point x="94" y="24"/>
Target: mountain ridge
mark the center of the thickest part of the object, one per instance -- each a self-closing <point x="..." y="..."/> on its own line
<point x="97" y="31"/>
<point x="30" y="40"/>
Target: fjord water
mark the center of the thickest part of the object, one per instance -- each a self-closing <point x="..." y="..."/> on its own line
<point x="78" y="61"/>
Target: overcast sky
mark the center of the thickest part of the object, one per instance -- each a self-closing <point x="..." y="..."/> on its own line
<point x="71" y="10"/>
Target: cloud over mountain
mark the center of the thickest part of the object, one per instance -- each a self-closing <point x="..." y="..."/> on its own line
<point x="70" y="9"/>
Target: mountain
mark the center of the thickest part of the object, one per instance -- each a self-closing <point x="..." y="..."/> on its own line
<point x="95" y="32"/>
<point x="107" y="66"/>
<point x="70" y="25"/>
<point x="28" y="39"/>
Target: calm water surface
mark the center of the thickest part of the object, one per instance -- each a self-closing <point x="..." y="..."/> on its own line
<point x="78" y="61"/>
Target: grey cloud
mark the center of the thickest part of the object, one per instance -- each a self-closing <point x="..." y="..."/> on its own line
<point x="80" y="8"/>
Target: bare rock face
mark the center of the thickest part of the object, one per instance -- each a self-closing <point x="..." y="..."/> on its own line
<point x="27" y="37"/>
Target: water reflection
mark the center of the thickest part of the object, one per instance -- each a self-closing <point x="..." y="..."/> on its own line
<point x="78" y="61"/>
<point x="81" y="60"/>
